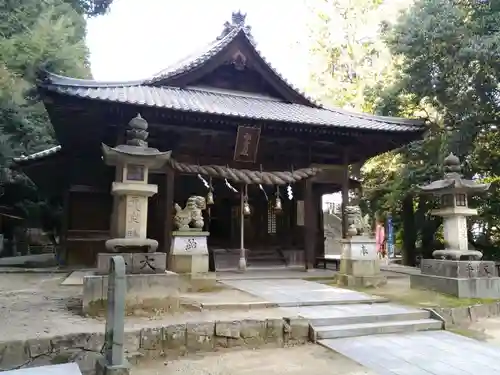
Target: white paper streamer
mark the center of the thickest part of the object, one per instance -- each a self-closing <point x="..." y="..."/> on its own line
<point x="229" y="186"/>
<point x="265" y="194"/>
<point x="204" y="181"/>
<point x="289" y="191"/>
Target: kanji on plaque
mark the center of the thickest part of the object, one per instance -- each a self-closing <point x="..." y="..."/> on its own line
<point x="247" y="144"/>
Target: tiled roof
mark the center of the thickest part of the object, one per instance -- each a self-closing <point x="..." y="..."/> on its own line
<point x="155" y="92"/>
<point x="196" y="60"/>
<point x="258" y="108"/>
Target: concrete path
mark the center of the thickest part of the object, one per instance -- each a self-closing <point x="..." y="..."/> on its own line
<point x="420" y="353"/>
<point x="290" y="292"/>
<point x="347" y="313"/>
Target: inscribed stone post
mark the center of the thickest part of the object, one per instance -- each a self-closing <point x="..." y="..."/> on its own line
<point x="113" y="362"/>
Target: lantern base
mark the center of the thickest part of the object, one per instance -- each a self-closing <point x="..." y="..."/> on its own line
<point x="462" y="279"/>
<point x="359" y="263"/>
<point x="242" y="262"/>
<point x="457" y="254"/>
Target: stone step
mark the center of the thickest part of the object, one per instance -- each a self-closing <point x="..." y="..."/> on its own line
<point x="371" y="318"/>
<point x="364" y="329"/>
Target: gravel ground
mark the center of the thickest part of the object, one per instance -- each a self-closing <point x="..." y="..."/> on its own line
<point x="36" y="305"/>
<point x="488" y="329"/>
<point x="310" y="359"/>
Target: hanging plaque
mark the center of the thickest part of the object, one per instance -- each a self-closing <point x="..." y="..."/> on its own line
<point x="247" y="144"/>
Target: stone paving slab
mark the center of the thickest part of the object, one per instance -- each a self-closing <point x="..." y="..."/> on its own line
<point x="276" y="273"/>
<point x="420" y="353"/>
<point x="340" y="311"/>
<point x="294" y="292"/>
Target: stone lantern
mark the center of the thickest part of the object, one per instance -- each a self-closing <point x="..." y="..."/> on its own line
<point x="452" y="192"/>
<point x="131" y="190"/>
<point x="456" y="270"/>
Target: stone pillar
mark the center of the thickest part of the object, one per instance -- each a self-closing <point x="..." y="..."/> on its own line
<point x="113" y="361"/>
<point x="132" y="194"/>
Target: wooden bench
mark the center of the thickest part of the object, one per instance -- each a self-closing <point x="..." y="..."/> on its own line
<point x="335" y="259"/>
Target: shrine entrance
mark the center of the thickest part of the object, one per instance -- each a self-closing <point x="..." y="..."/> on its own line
<point x="224" y="115"/>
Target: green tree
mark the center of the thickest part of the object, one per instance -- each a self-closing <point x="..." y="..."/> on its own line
<point x="347" y="54"/>
<point x="35" y="34"/>
<point x="446" y="66"/>
<point x="439" y="61"/>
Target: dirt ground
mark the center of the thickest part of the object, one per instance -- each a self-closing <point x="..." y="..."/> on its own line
<point x="310" y="359"/>
<point x="487" y="330"/>
<point x="36" y="305"/>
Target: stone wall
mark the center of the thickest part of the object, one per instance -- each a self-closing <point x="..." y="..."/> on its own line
<point x="160" y="342"/>
<point x="468" y="314"/>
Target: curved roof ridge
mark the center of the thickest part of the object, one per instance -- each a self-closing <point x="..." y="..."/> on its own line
<point x="194" y="59"/>
<point x="60" y="80"/>
<point x="369" y="116"/>
<point x="309" y="98"/>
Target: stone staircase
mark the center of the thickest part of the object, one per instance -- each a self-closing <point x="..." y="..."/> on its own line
<point x="371" y="319"/>
<point x="265" y="258"/>
<point x="363" y="319"/>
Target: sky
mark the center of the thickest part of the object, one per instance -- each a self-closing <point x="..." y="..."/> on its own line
<point x="139" y="38"/>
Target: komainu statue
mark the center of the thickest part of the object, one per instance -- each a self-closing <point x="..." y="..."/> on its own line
<point x="190" y="217"/>
<point x="356" y="219"/>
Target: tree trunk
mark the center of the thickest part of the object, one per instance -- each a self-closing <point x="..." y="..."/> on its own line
<point x="409" y="231"/>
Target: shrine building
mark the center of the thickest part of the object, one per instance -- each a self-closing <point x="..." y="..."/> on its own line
<point x="229" y="119"/>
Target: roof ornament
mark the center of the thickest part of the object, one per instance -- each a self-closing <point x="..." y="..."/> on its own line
<point x="237" y="22"/>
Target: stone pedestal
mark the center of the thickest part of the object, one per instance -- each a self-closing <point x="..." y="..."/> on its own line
<point x="136" y="263"/>
<point x="462" y="279"/>
<point x="189" y="258"/>
<point x="145" y="290"/>
<point x="101" y="368"/>
<point x="359" y="263"/>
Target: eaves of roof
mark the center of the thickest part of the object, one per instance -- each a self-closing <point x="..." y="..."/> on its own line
<point x="238" y="106"/>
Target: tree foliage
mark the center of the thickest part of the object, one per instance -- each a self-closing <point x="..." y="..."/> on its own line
<point x="442" y="64"/>
<point x="345" y="57"/>
<point x="35" y="34"/>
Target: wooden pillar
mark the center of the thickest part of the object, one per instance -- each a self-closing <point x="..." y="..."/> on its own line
<point x="345" y="192"/>
<point x="310" y="225"/>
<point x="63" y="254"/>
<point x="169" y="210"/>
<point x="320" y="233"/>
